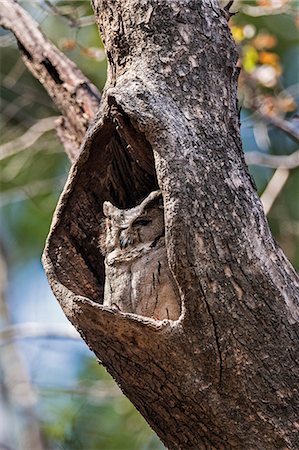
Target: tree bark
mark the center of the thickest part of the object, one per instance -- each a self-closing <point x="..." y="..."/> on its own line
<point x="225" y="375"/>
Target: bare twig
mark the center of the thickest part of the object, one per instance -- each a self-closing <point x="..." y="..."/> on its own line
<point x="260" y="109"/>
<point x="30" y="190"/>
<point x="258" y="11"/>
<point x="274" y="188"/>
<point x="37" y="330"/>
<point x="75" y="96"/>
<point x="291" y="130"/>
<point x="98" y="391"/>
<point x="27" y="139"/>
<point x="74" y="21"/>
<point x="273" y="161"/>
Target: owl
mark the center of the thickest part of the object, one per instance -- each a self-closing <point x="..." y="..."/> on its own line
<point x="137" y="275"/>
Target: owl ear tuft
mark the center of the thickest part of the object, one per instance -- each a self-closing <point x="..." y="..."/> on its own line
<point x="107" y="209"/>
<point x="154" y="197"/>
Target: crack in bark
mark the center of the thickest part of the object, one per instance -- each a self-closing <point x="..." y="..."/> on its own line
<point x="52" y="71"/>
<point x="24" y="50"/>
<point x="220" y="363"/>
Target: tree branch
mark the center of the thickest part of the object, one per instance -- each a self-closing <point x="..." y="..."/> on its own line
<point x="30" y="190"/>
<point x="284" y="125"/>
<point x="96" y="393"/>
<point x="273" y="161"/>
<point x="73" y="94"/>
<point x="28" y="138"/>
<point x="33" y="329"/>
<point x="273" y="189"/>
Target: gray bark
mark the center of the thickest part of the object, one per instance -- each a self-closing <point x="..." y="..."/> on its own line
<point x="223" y="375"/>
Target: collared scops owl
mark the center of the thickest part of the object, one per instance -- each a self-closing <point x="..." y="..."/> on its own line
<point x="137" y="276"/>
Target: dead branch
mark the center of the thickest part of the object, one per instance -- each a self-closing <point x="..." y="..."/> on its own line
<point x="74" y="95"/>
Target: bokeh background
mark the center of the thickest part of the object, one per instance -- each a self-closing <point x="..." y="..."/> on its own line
<point x="53" y="393"/>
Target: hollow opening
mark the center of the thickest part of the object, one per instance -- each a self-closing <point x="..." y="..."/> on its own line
<point x="120" y="169"/>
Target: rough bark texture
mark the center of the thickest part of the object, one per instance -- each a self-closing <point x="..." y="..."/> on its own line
<point x="74" y="95"/>
<point x="224" y="375"/>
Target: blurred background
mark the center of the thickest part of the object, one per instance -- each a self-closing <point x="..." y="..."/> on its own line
<point x="53" y="393"/>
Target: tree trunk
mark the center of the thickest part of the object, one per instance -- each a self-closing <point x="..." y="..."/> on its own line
<point x="224" y="374"/>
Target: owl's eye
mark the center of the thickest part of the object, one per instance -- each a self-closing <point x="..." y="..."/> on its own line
<point x="141" y="222"/>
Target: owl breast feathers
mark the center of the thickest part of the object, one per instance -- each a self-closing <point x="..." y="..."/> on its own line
<point x="137" y="276"/>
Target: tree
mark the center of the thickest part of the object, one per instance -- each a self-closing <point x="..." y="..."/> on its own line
<point x="223" y="375"/>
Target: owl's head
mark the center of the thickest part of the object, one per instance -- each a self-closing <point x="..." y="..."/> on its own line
<point x="126" y="228"/>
